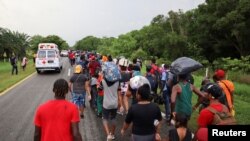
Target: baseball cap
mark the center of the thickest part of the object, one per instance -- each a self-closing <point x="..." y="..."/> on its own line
<point x="219" y="73"/>
<point x="78" y="69"/>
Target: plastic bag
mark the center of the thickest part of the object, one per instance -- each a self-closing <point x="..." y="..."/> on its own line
<point x="185" y="65"/>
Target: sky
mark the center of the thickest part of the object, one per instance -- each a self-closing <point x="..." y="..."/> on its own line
<point x="73" y="20"/>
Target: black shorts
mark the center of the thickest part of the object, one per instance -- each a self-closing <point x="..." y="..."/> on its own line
<point x="109" y="114"/>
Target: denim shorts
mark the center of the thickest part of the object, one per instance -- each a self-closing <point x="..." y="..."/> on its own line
<point x="78" y="99"/>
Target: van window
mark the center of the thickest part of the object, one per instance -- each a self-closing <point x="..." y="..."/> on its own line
<point x="51" y="54"/>
<point x="41" y="54"/>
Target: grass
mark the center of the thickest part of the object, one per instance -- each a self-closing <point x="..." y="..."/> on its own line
<point x="7" y="79"/>
<point x="241" y="103"/>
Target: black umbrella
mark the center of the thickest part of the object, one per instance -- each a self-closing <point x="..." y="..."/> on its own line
<point x="184" y="65"/>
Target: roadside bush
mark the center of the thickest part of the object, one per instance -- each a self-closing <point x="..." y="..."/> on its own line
<point x="236" y="65"/>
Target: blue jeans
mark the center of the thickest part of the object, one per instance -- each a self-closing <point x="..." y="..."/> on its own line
<point x="166" y="97"/>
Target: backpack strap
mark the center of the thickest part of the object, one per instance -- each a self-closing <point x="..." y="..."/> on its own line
<point x="226" y="87"/>
<point x="211" y="109"/>
<point x="216" y="120"/>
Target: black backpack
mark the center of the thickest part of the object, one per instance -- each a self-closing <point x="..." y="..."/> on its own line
<point x="151" y="80"/>
<point x="13" y="60"/>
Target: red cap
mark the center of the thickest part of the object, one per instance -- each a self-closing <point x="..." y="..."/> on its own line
<point x="219" y="73"/>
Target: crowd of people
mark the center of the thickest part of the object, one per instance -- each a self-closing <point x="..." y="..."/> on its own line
<point x="118" y="86"/>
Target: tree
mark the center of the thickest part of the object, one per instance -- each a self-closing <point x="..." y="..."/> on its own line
<point x="220" y="28"/>
<point x="124" y="45"/>
<point x="153" y="40"/>
<point x="13" y="42"/>
<point x="62" y="44"/>
<point x="88" y="43"/>
<point x="105" y="46"/>
<point x="35" y="40"/>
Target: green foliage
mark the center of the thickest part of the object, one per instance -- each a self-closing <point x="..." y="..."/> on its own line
<point x="104" y="47"/>
<point x="220" y="28"/>
<point x="62" y="44"/>
<point x="13" y="42"/>
<point x="35" y="40"/>
<point x="139" y="54"/>
<point x="241" y="65"/>
<point x="87" y="43"/>
<point x="124" y="45"/>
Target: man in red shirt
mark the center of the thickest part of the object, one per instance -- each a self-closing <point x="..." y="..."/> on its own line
<point x="156" y="72"/>
<point x="93" y="65"/>
<point x="57" y="119"/>
<point x="206" y="116"/>
<point x="72" y="58"/>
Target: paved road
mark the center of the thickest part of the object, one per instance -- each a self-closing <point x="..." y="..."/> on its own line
<point x="17" y="109"/>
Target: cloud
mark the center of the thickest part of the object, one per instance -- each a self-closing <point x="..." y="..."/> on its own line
<point x="74" y="19"/>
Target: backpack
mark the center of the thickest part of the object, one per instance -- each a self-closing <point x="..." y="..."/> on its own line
<point x="136" y="73"/>
<point x="111" y="72"/>
<point x="222" y="118"/>
<point x="163" y="83"/>
<point x="13" y="61"/>
<point x="156" y="72"/>
<point x="152" y="80"/>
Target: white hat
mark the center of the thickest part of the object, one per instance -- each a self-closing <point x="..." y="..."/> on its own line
<point x="137" y="81"/>
<point x="123" y="62"/>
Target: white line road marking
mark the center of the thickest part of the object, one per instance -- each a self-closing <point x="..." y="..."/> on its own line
<point x="69" y="72"/>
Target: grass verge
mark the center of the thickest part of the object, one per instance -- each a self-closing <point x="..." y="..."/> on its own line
<point x="7" y="79"/>
<point x="241" y="99"/>
<point x="242" y="104"/>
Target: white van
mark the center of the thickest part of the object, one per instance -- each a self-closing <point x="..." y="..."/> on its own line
<point x="48" y="58"/>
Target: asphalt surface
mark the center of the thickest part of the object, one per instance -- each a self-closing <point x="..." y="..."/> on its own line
<point x="17" y="108"/>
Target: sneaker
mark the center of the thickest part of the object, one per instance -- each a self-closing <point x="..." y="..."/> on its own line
<point x="120" y="113"/>
<point x="113" y="137"/>
<point x="109" y="137"/>
<point x="99" y="115"/>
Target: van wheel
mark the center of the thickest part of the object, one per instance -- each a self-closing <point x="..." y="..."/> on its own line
<point x="58" y="70"/>
<point x="38" y="71"/>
